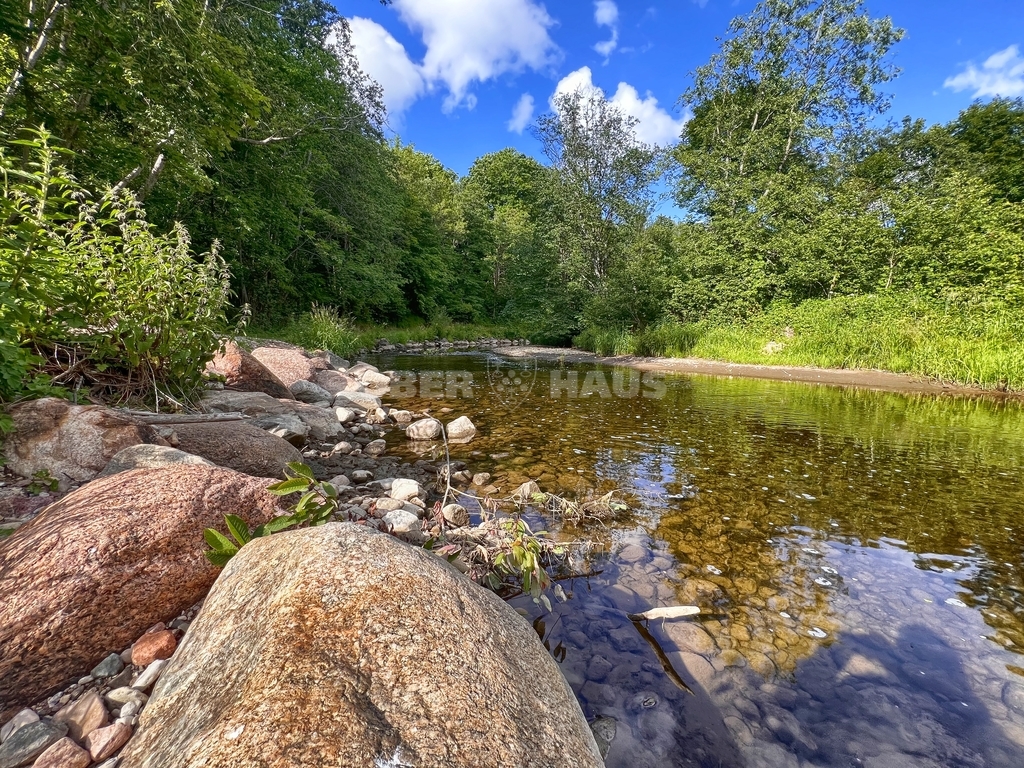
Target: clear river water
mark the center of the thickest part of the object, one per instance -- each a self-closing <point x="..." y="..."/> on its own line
<point x="857" y="556"/>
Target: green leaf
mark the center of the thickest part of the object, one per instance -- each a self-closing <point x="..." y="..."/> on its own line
<point x="285" y="487"/>
<point x="279" y="523"/>
<point x="218" y="557"/>
<point x="301" y="470"/>
<point x="238" y="528"/>
<point x="219" y="541"/>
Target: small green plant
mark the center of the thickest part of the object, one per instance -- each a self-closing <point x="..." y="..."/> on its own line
<point x="42" y="481"/>
<point x="316" y="505"/>
<point x="521" y="556"/>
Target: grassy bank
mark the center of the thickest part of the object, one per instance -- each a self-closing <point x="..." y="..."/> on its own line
<point x="970" y="345"/>
<point x="323" y="328"/>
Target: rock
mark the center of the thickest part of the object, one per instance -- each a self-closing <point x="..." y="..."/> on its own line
<point x="401" y="417"/>
<point x="388" y="505"/>
<point x="23" y="718"/>
<point x="150" y="675"/>
<point x="377" y="416"/>
<point x="29" y="742"/>
<point x="344" y="415"/>
<point x="461" y="429"/>
<point x="321" y="422"/>
<point x="289" y="365"/>
<point x="84" y="716"/>
<point x="403" y="489"/>
<point x="118" y="697"/>
<point x="361" y="476"/>
<point x="335" y="382"/>
<point x="401" y="522"/>
<point x="336" y="362"/>
<point x="604" y="729"/>
<point x="287" y="426"/>
<point x="308" y="392"/>
<point x="72" y="442"/>
<point x="153" y="646"/>
<point x="105" y="742"/>
<point x="300" y="656"/>
<point x="456" y="514"/>
<point x="358" y="400"/>
<point x="376" y="447"/>
<point x="343" y="448"/>
<point x="239" y="446"/>
<point x="375" y="380"/>
<point x="424" y="429"/>
<point x="360" y="368"/>
<point x="146" y="456"/>
<point x="243" y="372"/>
<point x="63" y="754"/>
<point x="100" y="566"/>
<point x="340" y="481"/>
<point x="481" y="478"/>
<point x="526" y="491"/>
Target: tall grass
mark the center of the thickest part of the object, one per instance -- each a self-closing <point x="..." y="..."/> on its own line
<point x="325" y="328"/>
<point x="980" y="345"/>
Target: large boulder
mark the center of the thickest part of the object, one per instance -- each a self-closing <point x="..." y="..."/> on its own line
<point x="243" y="372"/>
<point x="335" y="381"/>
<point x="98" y="568"/>
<point x="361" y="400"/>
<point x="72" y="442"/>
<point x="309" y="650"/>
<point x="290" y="364"/>
<point x="308" y="392"/>
<point x="238" y="445"/>
<point x="149" y="457"/>
<point x="321" y="422"/>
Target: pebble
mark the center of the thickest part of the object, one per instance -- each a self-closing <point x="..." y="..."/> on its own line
<point x="120" y="696"/>
<point x="109" y="667"/>
<point x="456" y="515"/>
<point x="152" y="646"/>
<point x="149" y="675"/>
<point x="104" y="742"/>
<point x="404" y="490"/>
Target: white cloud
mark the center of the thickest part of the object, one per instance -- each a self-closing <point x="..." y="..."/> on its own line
<point x="384" y="59"/>
<point x="471" y="41"/>
<point x="654" y="126"/>
<point x="606" y="14"/>
<point x="522" y="114"/>
<point x="1002" y="74"/>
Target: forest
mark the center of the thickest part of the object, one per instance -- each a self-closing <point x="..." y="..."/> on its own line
<point x="175" y="171"/>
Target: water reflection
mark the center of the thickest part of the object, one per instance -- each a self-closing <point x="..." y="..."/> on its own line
<point x="859" y="554"/>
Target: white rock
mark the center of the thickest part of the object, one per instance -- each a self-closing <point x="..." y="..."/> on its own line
<point x="343" y="448"/>
<point x="360" y="401"/>
<point x="345" y="415"/>
<point x="20" y="720"/>
<point x="424" y="429"/>
<point x="456" y="515"/>
<point x="147" y="678"/>
<point x="401" y="521"/>
<point x="340" y="481"/>
<point x="118" y="697"/>
<point x="403" y="489"/>
<point x="375" y="380"/>
<point x="389" y="505"/>
<point x="461" y="429"/>
<point x="401" y="417"/>
<point x="376" y="447"/>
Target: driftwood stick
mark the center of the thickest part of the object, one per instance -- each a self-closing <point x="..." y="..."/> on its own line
<point x="147" y="417"/>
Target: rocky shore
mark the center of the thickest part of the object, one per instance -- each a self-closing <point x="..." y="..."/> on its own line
<point x="340" y="645"/>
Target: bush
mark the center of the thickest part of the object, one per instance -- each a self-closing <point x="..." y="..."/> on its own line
<point x="91" y="295"/>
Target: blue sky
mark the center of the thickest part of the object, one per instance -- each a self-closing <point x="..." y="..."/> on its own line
<point x="465" y="77"/>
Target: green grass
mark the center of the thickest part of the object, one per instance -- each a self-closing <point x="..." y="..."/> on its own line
<point x="324" y="328"/>
<point x="972" y="345"/>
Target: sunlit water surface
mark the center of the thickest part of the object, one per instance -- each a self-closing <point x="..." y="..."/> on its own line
<point x="857" y="556"/>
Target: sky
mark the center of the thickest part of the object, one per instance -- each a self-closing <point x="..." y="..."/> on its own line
<point x="462" y="78"/>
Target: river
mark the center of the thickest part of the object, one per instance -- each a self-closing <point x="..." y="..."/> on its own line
<point x="857" y="556"/>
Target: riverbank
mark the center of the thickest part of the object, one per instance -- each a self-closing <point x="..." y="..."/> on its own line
<point x="863" y="378"/>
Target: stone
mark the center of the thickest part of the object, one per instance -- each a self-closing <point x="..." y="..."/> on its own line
<point x="287" y="426"/>
<point x="526" y="491"/>
<point x="402" y="522"/>
<point x="104" y="742"/>
<point x="72" y="442"/>
<point x="118" y="697"/>
<point x="84" y="716"/>
<point x="481" y="478"/>
<point x="340" y="481"/>
<point x="401" y="417"/>
<point x="375" y="447"/>
<point x="375" y="380"/>
<point x="239" y="446"/>
<point x="321" y="422"/>
<point x="153" y="646"/>
<point x="456" y="515"/>
<point x="301" y="656"/>
<point x="404" y="489"/>
<point x="424" y="429"/>
<point x="100" y="566"/>
<point x="604" y="729"/>
<point x="461" y="429"/>
<point x="145" y="456"/>
<point x="63" y="754"/>
<point x="243" y="372"/>
<point x="360" y="368"/>
<point x="344" y="415"/>
<point x="361" y="401"/>
<point x="23" y="718"/>
<point x="335" y="382"/>
<point x="361" y="476"/>
<point x="289" y="365"/>
<point x="150" y="675"/>
<point x="343" y="448"/>
<point x="388" y="505"/>
<point x="336" y="362"/>
<point x="29" y="742"/>
<point x="308" y="392"/>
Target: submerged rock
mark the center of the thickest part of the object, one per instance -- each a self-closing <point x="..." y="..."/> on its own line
<point x="301" y="656"/>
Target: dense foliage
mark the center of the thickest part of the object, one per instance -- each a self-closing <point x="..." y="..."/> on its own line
<point x="248" y="129"/>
